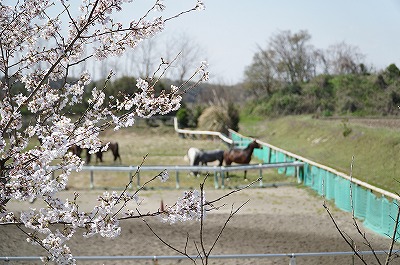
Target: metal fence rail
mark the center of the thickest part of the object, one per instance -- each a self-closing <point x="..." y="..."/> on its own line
<point x="291" y="256"/>
<point x="218" y="171"/>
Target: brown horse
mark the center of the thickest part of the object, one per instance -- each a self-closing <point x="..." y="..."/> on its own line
<point x="76" y="150"/>
<point x="113" y="146"/>
<point x="240" y="156"/>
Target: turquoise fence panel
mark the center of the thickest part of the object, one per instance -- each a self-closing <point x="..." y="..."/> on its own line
<point x="240" y="142"/>
<point x="281" y="157"/>
<point x="318" y="179"/>
<point x="273" y="156"/>
<point x="342" y="194"/>
<point x="391" y="220"/>
<point x="315" y="178"/>
<point x="322" y="181"/>
<point x="235" y="137"/>
<point x="290" y="171"/>
<point x="387" y="222"/>
<point x="360" y="201"/>
<point x="307" y="177"/>
<point x="258" y="153"/>
<point x="373" y="218"/>
<point x="330" y="180"/>
<point x="266" y="154"/>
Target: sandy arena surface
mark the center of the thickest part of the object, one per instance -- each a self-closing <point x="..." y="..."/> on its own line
<point x="286" y="219"/>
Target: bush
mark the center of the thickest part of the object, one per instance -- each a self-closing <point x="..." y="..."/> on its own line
<point x="182" y="115"/>
<point x="214" y="118"/>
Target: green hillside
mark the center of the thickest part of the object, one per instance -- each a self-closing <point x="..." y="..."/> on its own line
<point x="375" y="144"/>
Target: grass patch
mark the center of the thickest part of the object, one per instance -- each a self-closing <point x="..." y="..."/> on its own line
<point x="376" y="149"/>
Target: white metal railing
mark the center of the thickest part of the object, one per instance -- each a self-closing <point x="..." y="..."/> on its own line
<point x="291" y="256"/>
<point x="218" y="171"/>
<point x="196" y="132"/>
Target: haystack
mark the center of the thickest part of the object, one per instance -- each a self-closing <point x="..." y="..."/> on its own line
<point x="214" y="118"/>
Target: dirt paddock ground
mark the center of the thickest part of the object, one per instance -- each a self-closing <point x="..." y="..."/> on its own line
<point x="286" y="219"/>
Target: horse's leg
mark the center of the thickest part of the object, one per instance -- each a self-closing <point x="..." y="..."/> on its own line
<point x="227" y="163"/>
<point x="196" y="162"/>
<point x="245" y="173"/>
<point x="99" y="157"/>
<point x="78" y="151"/>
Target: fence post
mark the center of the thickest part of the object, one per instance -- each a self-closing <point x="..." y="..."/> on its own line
<point x="222" y="177"/>
<point x="177" y="186"/>
<point x="215" y="178"/>
<point x="138" y="180"/>
<point x="91" y="179"/>
<point x="297" y="173"/>
<point x="260" y="175"/>
<point x="292" y="260"/>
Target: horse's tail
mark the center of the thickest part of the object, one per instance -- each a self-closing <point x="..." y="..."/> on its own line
<point x="191" y="155"/>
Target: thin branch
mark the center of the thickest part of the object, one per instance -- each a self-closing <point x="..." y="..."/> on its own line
<point x="389" y="255"/>
<point x="165" y="242"/>
<point x="233" y="191"/>
<point x="225" y="224"/>
<point x="343" y="235"/>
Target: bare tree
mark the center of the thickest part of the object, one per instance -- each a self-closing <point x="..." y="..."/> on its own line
<point x="188" y="51"/>
<point x="146" y="58"/>
<point x="293" y="57"/>
<point x="260" y="76"/>
<point x="342" y="58"/>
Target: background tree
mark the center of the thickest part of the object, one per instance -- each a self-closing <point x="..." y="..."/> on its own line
<point x="293" y="56"/>
<point x="189" y="52"/>
<point x="342" y="58"/>
<point x="260" y="76"/>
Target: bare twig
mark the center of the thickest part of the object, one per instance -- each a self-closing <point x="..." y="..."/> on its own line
<point x="233" y="191"/>
<point x="343" y="235"/>
<point x="232" y="213"/>
<point x="184" y="253"/>
<point x="389" y="255"/>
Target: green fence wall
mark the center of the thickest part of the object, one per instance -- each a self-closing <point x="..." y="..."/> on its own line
<point x="377" y="212"/>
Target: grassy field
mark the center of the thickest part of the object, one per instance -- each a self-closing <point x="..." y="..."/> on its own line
<point x="375" y="144"/>
<point x="160" y="146"/>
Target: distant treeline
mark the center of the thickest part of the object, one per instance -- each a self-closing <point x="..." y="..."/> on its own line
<point x="360" y="94"/>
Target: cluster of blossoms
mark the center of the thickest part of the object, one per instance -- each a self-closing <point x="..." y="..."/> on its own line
<point x="189" y="207"/>
<point x="35" y="161"/>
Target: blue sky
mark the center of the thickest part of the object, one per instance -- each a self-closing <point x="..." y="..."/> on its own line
<point x="229" y="31"/>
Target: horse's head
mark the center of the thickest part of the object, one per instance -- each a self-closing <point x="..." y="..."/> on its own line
<point x="256" y="144"/>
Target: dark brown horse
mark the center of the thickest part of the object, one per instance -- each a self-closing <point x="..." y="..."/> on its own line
<point x="76" y="150"/>
<point x="240" y="156"/>
<point x="113" y="146"/>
